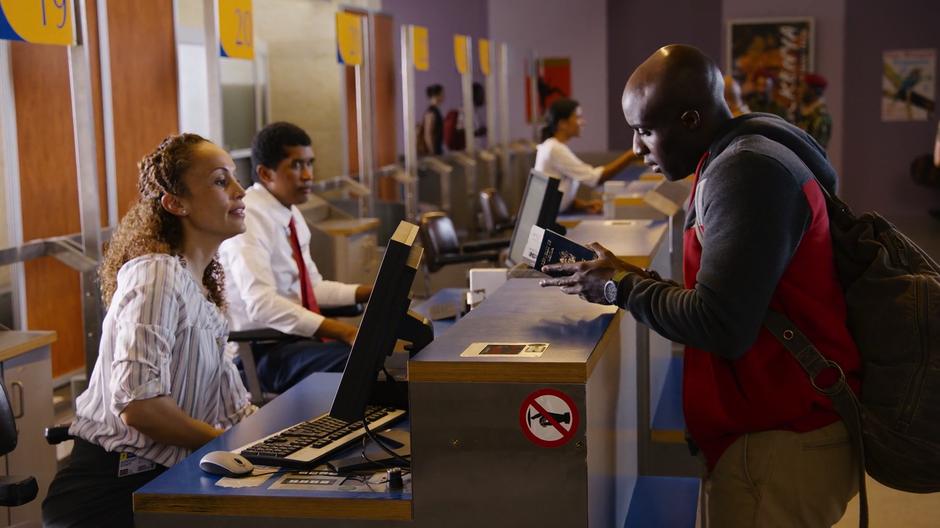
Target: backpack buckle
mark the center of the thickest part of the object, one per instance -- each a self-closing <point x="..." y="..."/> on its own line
<point x="836" y="386"/>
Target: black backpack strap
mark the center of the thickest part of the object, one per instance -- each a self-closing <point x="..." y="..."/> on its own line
<point x="843" y="399"/>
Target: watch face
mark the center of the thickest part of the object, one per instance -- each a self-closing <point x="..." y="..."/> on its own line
<point x="610" y="292"/>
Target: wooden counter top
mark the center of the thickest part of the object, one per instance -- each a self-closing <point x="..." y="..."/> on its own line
<point x="519" y="311"/>
<point x="13" y="343"/>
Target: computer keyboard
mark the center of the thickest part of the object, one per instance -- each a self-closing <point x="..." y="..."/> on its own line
<point x="310" y="442"/>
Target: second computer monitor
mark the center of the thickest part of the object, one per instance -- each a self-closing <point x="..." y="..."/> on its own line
<point x="539" y="206"/>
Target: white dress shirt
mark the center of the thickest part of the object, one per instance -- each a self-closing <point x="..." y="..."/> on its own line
<point x="555" y="159"/>
<point x="262" y="282"/>
<point x="161" y="337"/>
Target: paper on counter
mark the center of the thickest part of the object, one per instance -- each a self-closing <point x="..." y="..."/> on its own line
<point x="258" y="477"/>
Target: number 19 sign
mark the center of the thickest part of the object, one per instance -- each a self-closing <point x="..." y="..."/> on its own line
<point x="38" y="21"/>
<point x="236" y="32"/>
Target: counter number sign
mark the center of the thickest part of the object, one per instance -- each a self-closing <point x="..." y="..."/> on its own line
<point x="38" y="21"/>
<point x="236" y="29"/>
<point x="549" y="418"/>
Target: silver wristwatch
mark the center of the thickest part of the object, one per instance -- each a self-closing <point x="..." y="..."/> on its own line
<point x="611" y="287"/>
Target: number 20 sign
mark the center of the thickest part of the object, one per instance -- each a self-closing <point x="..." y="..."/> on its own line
<point x="38" y="21"/>
<point x="236" y="31"/>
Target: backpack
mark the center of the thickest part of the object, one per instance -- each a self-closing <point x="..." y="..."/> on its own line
<point x="892" y="293"/>
<point x="454" y="137"/>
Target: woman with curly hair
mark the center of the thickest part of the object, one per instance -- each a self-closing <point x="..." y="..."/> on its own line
<point x="162" y="385"/>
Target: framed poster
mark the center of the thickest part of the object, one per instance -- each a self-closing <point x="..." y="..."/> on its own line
<point x="554" y="83"/>
<point x="908" y="84"/>
<point x="769" y="58"/>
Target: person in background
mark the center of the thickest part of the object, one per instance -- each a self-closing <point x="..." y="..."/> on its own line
<point x="812" y="114"/>
<point x="272" y="280"/>
<point x="733" y="97"/>
<point x="432" y="124"/>
<point x="162" y="385"/>
<point x="563" y="121"/>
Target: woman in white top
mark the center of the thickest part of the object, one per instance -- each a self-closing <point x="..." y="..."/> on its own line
<point x="554" y="158"/>
<point x="162" y="385"/>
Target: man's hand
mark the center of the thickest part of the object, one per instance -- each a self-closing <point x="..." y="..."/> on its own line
<point x="587" y="279"/>
<point x="588" y="206"/>
<point x="338" y="330"/>
<point x="363" y="292"/>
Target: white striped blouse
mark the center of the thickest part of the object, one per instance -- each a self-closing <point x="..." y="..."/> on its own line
<point x="161" y="337"/>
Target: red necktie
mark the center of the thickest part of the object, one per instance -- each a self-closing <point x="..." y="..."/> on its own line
<point x="307" y="296"/>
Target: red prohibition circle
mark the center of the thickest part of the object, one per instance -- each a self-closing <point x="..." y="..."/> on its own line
<point x="566" y="435"/>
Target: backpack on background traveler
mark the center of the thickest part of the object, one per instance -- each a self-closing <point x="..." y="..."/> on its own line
<point x="454" y="137"/>
<point x="892" y="293"/>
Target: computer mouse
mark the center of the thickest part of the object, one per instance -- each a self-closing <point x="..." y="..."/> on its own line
<point x="226" y="464"/>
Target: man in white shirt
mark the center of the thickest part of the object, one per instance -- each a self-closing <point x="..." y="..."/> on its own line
<point x="271" y="280"/>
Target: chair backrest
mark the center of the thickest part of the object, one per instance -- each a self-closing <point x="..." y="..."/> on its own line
<point x="495" y="213"/>
<point x="438" y="237"/>
<point x="7" y="424"/>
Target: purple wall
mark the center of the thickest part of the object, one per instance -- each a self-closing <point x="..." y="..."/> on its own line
<point x="443" y="20"/>
<point x="557" y="28"/>
<point x="636" y="29"/>
<point x="878" y="154"/>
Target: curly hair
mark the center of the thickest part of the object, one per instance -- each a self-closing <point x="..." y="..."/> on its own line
<point x="148" y="227"/>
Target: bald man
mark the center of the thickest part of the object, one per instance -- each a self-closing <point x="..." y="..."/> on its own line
<point x="757" y="237"/>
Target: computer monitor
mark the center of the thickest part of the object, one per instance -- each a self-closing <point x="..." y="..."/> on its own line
<point x="540" y="202"/>
<point x="386" y="319"/>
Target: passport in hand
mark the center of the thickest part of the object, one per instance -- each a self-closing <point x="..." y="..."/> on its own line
<point x="548" y="247"/>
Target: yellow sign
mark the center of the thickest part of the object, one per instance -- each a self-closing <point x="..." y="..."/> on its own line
<point x="38" y="21"/>
<point x="236" y="29"/>
<point x="419" y="38"/>
<point x="460" y="53"/>
<point x="484" y="46"/>
<point x="349" y="38"/>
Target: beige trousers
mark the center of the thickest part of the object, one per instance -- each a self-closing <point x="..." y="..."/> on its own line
<point x="783" y="479"/>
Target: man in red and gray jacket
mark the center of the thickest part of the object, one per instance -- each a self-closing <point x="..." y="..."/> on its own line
<point x="757" y="238"/>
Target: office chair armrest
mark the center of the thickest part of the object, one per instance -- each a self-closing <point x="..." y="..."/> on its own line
<point x="343" y="311"/>
<point x="16" y="491"/>
<point x="475" y="246"/>
<point x="259" y="335"/>
<point x="57" y="434"/>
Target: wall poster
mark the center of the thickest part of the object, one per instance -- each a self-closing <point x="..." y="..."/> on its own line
<point x="908" y="84"/>
<point x="769" y="57"/>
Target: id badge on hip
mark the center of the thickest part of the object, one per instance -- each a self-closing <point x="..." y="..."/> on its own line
<point x="131" y="464"/>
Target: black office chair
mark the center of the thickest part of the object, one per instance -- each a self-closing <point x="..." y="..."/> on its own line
<point x="247" y="338"/>
<point x="494" y="214"/>
<point x="14" y="490"/>
<point x="442" y="248"/>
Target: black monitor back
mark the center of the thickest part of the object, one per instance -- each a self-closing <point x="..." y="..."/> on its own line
<point x="378" y="331"/>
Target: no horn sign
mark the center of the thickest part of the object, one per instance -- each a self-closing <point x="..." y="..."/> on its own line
<point x="549" y="418"/>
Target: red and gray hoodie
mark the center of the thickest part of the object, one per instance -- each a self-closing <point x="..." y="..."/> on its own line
<point x="757" y="237"/>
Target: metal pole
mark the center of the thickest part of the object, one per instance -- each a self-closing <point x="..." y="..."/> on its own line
<point x="466" y="85"/>
<point x="364" y="117"/>
<point x="534" y="95"/>
<point x="409" y="141"/>
<point x="11" y="175"/>
<point x="213" y="70"/>
<point x="83" y="125"/>
<point x="491" y="98"/>
<point x="107" y="112"/>
<point x="504" y="139"/>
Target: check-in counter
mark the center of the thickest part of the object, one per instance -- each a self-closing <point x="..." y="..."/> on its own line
<point x="27" y="376"/>
<point x="486" y="447"/>
<point x="344" y="248"/>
